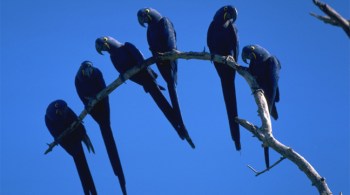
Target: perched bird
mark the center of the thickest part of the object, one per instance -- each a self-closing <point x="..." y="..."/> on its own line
<point x="126" y="56"/>
<point x="265" y="68"/>
<point x="58" y="118"/>
<point x="88" y="83"/>
<point x="161" y="37"/>
<point x="222" y="40"/>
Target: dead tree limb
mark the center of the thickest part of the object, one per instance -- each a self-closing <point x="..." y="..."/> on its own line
<point x="264" y="133"/>
<point x="333" y="17"/>
<point x="257" y="173"/>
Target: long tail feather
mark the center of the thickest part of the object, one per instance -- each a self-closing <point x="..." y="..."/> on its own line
<point x="113" y="155"/>
<point x="267" y="158"/>
<point x="177" y="111"/>
<point x="84" y="173"/>
<point x="229" y="93"/>
<point x="274" y="113"/>
<point x="164" y="105"/>
<point x="88" y="143"/>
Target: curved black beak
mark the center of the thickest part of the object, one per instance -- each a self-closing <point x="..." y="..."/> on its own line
<point x="101" y="45"/>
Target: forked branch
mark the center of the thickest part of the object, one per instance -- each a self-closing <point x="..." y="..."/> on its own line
<point x="333" y="17"/>
<point x="264" y="133"/>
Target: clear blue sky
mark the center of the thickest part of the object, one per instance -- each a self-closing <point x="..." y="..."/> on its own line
<point x="44" y="42"/>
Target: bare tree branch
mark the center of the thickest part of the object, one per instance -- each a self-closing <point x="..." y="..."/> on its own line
<point x="257" y="173"/>
<point x="333" y="17"/>
<point x="325" y="19"/>
<point x="264" y="133"/>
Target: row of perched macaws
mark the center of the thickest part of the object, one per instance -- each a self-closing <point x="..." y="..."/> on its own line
<point x="222" y="40"/>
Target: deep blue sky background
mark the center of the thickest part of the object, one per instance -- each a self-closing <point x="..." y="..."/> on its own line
<point x="44" y="42"/>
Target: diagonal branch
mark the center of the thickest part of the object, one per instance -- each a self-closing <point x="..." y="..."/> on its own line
<point x="264" y="133"/>
<point x="333" y="17"/>
<point x="131" y="72"/>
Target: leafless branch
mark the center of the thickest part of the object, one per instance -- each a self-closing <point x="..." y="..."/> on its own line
<point x="264" y="133"/>
<point x="257" y="173"/>
<point x="333" y="17"/>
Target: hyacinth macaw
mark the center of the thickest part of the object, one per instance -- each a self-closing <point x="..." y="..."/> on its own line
<point x="161" y="37"/>
<point x="222" y="40"/>
<point x="126" y="56"/>
<point x="88" y="83"/>
<point x="265" y="68"/>
<point x="58" y="118"/>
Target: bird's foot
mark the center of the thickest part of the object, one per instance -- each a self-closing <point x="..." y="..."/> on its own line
<point x="229" y="58"/>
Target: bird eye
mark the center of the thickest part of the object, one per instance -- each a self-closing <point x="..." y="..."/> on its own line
<point x="105" y="38"/>
<point x="147" y="11"/>
<point x="252" y="47"/>
<point x="225" y="8"/>
<point x="57" y="105"/>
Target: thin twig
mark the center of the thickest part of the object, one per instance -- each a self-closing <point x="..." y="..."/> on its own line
<point x="325" y="19"/>
<point x="334" y="16"/>
<point x="257" y="173"/>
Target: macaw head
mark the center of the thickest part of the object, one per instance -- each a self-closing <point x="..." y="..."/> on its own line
<point x="86" y="69"/>
<point x="226" y="14"/>
<point x="57" y="110"/>
<point x="148" y="15"/>
<point x="254" y="53"/>
<point x="106" y="43"/>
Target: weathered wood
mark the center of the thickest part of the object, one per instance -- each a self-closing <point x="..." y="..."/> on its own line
<point x="264" y="133"/>
<point x="333" y="18"/>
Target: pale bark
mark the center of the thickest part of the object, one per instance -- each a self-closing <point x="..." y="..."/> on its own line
<point x="263" y="133"/>
<point x="333" y="17"/>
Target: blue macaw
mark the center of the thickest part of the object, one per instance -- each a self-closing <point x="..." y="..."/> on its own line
<point x="88" y="83"/>
<point x="161" y="37"/>
<point x="126" y="56"/>
<point x="265" y="68"/>
<point x="58" y="118"/>
<point x="222" y="40"/>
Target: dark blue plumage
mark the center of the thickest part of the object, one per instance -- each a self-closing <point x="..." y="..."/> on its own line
<point x="58" y="118"/>
<point x="222" y="40"/>
<point x="89" y="82"/>
<point x="126" y="56"/>
<point x="161" y="37"/>
<point x="265" y="68"/>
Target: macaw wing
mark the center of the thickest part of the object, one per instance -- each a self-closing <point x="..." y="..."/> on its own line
<point x="277" y="98"/>
<point x="134" y="52"/>
<point x="167" y="33"/>
<point x="211" y="38"/>
<point x="272" y="90"/>
<point x="81" y="94"/>
<point x="235" y="42"/>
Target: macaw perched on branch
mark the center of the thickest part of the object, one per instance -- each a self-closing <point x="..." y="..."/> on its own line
<point x="89" y="82"/>
<point x="58" y="118"/>
<point x="161" y="37"/>
<point x="222" y="40"/>
<point x="126" y="56"/>
<point x="265" y="68"/>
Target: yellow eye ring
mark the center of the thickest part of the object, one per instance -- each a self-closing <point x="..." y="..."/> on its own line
<point x="147" y="11"/>
<point x="225" y="8"/>
<point x="105" y="38"/>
